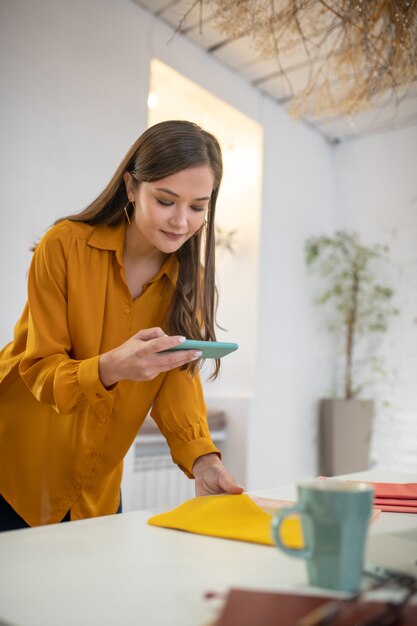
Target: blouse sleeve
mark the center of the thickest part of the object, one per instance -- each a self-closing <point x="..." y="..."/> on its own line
<point x="181" y="415"/>
<point x="46" y="367"/>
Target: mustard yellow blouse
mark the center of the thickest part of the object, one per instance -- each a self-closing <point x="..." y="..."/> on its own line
<point x="63" y="436"/>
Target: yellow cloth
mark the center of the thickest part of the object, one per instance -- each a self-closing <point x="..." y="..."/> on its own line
<point x="63" y="436"/>
<point x="230" y="517"/>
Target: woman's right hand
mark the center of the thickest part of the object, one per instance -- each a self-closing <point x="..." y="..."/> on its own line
<point x="139" y="358"/>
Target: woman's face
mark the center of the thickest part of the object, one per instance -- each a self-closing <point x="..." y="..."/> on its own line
<point x="171" y="210"/>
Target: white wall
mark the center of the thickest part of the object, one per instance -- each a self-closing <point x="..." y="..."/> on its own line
<point x="377" y="197"/>
<point x="74" y="82"/>
<point x="75" y="78"/>
<point x="293" y="361"/>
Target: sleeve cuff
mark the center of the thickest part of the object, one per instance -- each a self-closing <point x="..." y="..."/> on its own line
<point x="90" y="383"/>
<point x="185" y="453"/>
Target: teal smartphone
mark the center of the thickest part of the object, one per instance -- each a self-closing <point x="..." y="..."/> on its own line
<point x="210" y="349"/>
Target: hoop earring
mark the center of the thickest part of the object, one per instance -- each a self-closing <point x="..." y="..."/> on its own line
<point x="126" y="213"/>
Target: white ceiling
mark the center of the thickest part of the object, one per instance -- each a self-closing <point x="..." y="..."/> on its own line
<point x="265" y="75"/>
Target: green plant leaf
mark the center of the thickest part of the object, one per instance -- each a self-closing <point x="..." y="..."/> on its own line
<point x="350" y="272"/>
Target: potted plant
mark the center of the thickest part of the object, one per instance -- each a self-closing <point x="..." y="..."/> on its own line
<point x="361" y="307"/>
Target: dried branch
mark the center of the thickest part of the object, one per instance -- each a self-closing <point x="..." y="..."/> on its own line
<point x="370" y="46"/>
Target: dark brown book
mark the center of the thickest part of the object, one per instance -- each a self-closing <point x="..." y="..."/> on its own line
<point x="258" y="608"/>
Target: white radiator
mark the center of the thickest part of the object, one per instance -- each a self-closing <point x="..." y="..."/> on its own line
<point x="157" y="481"/>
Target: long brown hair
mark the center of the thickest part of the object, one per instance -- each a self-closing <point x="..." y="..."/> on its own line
<point x="162" y="150"/>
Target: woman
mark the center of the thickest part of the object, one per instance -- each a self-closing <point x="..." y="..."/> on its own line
<point x="109" y="290"/>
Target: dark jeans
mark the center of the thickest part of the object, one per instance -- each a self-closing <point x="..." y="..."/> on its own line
<point x="10" y="520"/>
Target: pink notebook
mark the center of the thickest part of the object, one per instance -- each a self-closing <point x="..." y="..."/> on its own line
<point x="394" y="497"/>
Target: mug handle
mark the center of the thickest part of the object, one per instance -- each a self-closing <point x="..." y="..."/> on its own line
<point x="277" y="521"/>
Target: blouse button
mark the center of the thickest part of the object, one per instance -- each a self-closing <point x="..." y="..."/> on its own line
<point x="127" y="311"/>
<point x="93" y="453"/>
<point x="99" y="395"/>
<point x="103" y="420"/>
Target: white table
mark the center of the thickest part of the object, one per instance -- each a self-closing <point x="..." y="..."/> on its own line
<point x="118" y="570"/>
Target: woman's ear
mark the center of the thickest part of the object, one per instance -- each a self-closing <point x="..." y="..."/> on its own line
<point x="130" y="185"/>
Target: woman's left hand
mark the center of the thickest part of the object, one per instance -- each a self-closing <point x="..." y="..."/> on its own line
<point x="211" y="477"/>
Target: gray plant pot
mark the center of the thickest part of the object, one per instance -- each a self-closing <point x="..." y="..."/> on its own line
<point x="345" y="428"/>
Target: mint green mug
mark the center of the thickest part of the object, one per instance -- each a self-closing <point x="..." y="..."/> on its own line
<point x="334" y="517"/>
